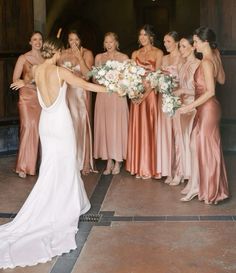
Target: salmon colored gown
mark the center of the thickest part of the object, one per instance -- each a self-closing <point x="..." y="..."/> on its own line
<point x="29" y="113"/>
<point x="213" y="185"/>
<point x="142" y="136"/>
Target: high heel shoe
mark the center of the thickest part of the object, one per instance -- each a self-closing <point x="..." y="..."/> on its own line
<point x="177" y="180"/>
<point x="116" y="169"/>
<point x="109" y="168"/>
<point x="168" y="180"/>
<point x="188" y="198"/>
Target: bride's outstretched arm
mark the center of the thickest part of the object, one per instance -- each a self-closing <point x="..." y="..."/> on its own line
<point x="76" y="81"/>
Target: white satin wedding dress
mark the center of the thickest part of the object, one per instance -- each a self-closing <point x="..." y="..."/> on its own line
<point x="48" y="221"/>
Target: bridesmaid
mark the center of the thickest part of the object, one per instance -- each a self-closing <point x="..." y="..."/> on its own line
<point x="142" y="159"/>
<point x="211" y="176"/>
<point x="165" y="144"/>
<point x="183" y="124"/>
<point x="80" y="61"/>
<point x="111" y="115"/>
<point x="29" y="108"/>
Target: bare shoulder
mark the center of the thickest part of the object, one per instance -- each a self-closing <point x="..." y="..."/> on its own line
<point x="87" y="52"/>
<point x="157" y="52"/>
<point x="98" y="58"/>
<point x="207" y="64"/>
<point x="134" y="54"/>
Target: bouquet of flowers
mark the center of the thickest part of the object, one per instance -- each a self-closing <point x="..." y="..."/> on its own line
<point x="165" y="83"/>
<point x="170" y="103"/>
<point x="131" y="79"/>
<point x="68" y="65"/>
<point x="162" y="82"/>
<point x="125" y="78"/>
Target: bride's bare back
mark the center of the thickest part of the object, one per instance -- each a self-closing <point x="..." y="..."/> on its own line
<point x="49" y="78"/>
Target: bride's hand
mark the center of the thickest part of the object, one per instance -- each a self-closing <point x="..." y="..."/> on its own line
<point x="17" y="84"/>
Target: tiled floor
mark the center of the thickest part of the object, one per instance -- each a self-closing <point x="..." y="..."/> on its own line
<point x="138" y="226"/>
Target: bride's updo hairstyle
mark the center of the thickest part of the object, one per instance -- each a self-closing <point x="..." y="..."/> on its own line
<point x="50" y="47"/>
<point x="206" y="34"/>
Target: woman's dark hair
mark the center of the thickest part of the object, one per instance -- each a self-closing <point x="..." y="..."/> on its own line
<point x="50" y="46"/>
<point x="174" y="34"/>
<point x="73" y="31"/>
<point x="206" y="34"/>
<point x="149" y="29"/>
<point x="189" y="38"/>
<point x="36" y="32"/>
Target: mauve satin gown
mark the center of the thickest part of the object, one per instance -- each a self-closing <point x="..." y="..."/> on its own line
<point x="213" y="185"/>
<point x="29" y="113"/>
<point x="142" y="136"/>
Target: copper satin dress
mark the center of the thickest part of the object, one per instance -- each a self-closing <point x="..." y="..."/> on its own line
<point x="213" y="185"/>
<point x="183" y="123"/>
<point x="29" y="113"/>
<point x="142" y="137"/>
<point x="76" y="98"/>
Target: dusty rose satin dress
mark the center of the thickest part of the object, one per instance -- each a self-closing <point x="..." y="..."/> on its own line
<point x="213" y="185"/>
<point x="165" y="137"/>
<point x="183" y="123"/>
<point x="76" y="98"/>
<point x="142" y="137"/>
<point x="111" y="116"/>
<point x="29" y="113"/>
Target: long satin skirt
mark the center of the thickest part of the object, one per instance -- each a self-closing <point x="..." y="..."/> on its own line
<point x="29" y="113"/>
<point x="142" y="138"/>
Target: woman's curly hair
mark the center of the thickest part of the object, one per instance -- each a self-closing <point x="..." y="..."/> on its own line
<point x="50" y="46"/>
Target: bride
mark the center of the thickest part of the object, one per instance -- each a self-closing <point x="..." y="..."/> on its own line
<point x="47" y="223"/>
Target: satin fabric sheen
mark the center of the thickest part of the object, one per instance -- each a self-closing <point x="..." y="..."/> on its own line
<point x="213" y="185"/>
<point x="183" y="123"/>
<point x="29" y="113"/>
<point x="76" y="98"/>
<point x="47" y="223"/>
<point x="142" y="136"/>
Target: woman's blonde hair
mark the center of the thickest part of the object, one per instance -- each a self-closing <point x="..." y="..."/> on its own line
<point x="115" y="36"/>
<point x="50" y="46"/>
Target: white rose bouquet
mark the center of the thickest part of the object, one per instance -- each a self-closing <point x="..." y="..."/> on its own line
<point x="170" y="103"/>
<point x="125" y="78"/>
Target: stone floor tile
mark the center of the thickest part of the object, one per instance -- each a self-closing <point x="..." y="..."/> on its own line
<point x="161" y="247"/>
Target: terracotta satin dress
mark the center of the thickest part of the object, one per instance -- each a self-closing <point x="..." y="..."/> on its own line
<point x="183" y="123"/>
<point x="29" y="113"/>
<point x="142" y="137"/>
<point x="76" y="98"/>
<point x="213" y="185"/>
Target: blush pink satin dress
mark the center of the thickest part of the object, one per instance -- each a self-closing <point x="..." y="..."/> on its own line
<point x="142" y="136"/>
<point x="76" y="99"/>
<point x="165" y="138"/>
<point x="29" y="113"/>
<point x="183" y="123"/>
<point x="213" y="185"/>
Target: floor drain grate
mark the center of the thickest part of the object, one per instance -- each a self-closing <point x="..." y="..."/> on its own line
<point x="90" y="218"/>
